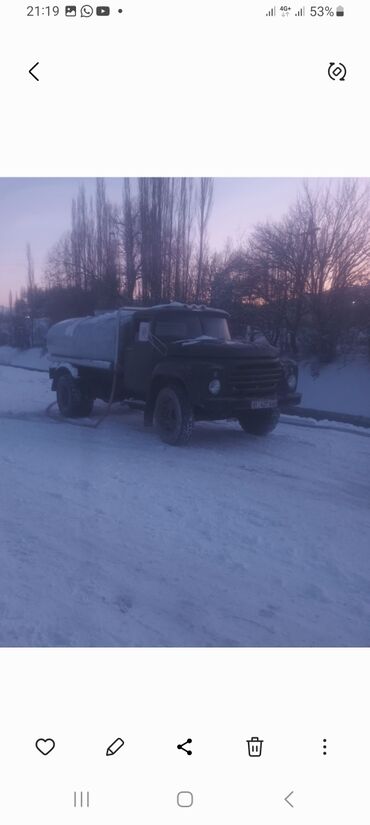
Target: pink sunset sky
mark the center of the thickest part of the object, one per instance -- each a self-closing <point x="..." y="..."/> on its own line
<point x="37" y="211"/>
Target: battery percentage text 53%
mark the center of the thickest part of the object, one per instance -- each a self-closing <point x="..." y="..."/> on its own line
<point x="321" y="11"/>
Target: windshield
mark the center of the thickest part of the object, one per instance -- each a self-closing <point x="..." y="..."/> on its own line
<point x="192" y="326"/>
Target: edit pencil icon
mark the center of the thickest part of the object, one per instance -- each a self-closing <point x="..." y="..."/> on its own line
<point x="115" y="746"/>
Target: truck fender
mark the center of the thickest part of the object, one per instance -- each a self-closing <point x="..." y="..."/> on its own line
<point x="160" y="379"/>
<point x="60" y="368"/>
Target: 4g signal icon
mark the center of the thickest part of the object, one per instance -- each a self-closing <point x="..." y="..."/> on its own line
<point x="301" y="12"/>
<point x="272" y="12"/>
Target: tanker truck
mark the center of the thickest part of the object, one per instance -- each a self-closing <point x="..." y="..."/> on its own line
<point x="177" y="361"/>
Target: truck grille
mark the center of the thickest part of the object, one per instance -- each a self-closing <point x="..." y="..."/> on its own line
<point x="257" y="377"/>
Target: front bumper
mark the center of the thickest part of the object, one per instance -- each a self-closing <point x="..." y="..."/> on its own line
<point x="289" y="399"/>
<point x="214" y="409"/>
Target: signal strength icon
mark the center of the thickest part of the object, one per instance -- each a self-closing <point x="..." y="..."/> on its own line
<point x="272" y="12"/>
<point x="301" y="12"/>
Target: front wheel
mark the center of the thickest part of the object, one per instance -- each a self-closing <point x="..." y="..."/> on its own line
<point x="173" y="416"/>
<point x="259" y="422"/>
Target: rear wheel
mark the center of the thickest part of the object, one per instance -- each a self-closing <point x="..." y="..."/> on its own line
<point x="173" y="416"/>
<point x="72" y="401"/>
<point x="259" y="422"/>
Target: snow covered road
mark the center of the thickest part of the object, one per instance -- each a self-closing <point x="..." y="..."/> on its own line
<point x="109" y="537"/>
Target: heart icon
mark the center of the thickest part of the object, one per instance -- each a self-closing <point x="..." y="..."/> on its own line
<point x="45" y="746"/>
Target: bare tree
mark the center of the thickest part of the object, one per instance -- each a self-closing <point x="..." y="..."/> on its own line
<point x="168" y="238"/>
<point x="299" y="270"/>
<point x="184" y="246"/>
<point x="30" y="288"/>
<point x="337" y="218"/>
<point x="30" y="270"/>
<point x="146" y="247"/>
<point x="128" y="228"/>
<point x="204" y="206"/>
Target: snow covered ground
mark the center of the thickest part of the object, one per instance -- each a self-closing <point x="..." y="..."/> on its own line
<point x="34" y="358"/>
<point x="109" y="537"/>
<point x="343" y="386"/>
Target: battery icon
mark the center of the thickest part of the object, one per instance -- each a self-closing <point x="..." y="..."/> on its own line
<point x="340" y="11"/>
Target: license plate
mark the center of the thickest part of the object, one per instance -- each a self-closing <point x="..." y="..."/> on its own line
<point x="263" y="403"/>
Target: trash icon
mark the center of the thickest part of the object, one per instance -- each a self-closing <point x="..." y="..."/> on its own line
<point x="255" y="746"/>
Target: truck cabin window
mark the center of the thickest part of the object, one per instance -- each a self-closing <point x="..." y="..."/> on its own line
<point x="143" y="331"/>
<point x="193" y="326"/>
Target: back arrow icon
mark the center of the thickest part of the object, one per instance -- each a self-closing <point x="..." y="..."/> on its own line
<point x="286" y="799"/>
<point x="31" y="71"/>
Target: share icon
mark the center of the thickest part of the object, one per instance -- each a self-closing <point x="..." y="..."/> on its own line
<point x="183" y="748"/>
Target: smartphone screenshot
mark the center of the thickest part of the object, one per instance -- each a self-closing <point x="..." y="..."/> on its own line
<point x="184" y="412"/>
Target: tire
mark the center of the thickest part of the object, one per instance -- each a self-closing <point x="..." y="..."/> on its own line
<point x="259" y="422"/>
<point x="173" y="416"/>
<point x="72" y="401"/>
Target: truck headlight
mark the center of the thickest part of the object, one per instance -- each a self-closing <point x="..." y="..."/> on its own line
<point x="292" y="381"/>
<point x="214" y="386"/>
